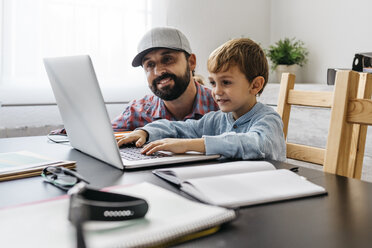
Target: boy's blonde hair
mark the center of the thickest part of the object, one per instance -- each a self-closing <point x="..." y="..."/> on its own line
<point x="244" y="53"/>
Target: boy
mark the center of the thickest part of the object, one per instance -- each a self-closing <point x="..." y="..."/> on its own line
<point x="242" y="129"/>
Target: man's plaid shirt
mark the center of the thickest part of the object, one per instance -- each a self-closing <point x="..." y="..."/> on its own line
<point x="151" y="108"/>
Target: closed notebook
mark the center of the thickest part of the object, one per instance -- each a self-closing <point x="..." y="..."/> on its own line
<point x="21" y="164"/>
<point x="241" y="183"/>
<point x="170" y="218"/>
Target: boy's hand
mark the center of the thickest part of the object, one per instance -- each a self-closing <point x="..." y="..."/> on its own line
<point x="138" y="137"/>
<point x="175" y="146"/>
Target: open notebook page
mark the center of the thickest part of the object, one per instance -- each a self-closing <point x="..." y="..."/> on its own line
<point x="180" y="174"/>
<point x="250" y="188"/>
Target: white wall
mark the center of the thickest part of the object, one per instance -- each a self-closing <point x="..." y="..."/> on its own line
<point x="209" y="23"/>
<point x="333" y="30"/>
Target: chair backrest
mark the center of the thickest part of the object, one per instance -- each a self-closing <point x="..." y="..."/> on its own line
<point x="288" y="97"/>
<point x="351" y="114"/>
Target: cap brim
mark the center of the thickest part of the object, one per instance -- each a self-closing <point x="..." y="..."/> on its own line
<point x="137" y="61"/>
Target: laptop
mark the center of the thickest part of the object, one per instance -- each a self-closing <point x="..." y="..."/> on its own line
<point x="83" y="111"/>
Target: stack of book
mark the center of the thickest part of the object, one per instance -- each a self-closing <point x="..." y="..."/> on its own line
<point x="15" y="165"/>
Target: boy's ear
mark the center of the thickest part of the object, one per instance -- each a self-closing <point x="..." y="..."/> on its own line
<point x="257" y="84"/>
<point x="192" y="62"/>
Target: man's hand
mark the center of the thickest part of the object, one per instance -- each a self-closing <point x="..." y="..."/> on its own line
<point x="175" y="146"/>
<point x="138" y="137"/>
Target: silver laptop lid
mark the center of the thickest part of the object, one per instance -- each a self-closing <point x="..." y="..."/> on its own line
<point x="82" y="107"/>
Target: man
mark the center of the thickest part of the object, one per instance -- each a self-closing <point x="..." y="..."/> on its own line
<point x="169" y="64"/>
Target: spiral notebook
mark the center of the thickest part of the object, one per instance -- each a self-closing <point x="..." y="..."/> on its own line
<point x="170" y="218"/>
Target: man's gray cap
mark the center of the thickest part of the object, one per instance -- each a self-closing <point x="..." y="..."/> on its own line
<point x="162" y="37"/>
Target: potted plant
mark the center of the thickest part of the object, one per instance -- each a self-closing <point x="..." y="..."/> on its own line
<point x="287" y="55"/>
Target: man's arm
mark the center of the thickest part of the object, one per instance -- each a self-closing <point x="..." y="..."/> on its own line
<point x="133" y="116"/>
<point x="125" y="121"/>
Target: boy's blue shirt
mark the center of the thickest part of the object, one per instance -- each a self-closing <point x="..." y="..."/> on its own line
<point x="258" y="134"/>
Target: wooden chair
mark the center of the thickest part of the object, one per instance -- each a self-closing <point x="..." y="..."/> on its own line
<point x="350" y="117"/>
<point x="346" y="137"/>
<point x="288" y="97"/>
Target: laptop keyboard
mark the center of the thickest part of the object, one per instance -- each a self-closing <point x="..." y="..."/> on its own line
<point x="134" y="153"/>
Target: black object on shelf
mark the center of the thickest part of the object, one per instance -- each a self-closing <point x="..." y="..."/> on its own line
<point x="331" y="74"/>
<point x="363" y="62"/>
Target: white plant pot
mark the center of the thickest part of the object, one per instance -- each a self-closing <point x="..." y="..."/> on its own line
<point x="294" y="69"/>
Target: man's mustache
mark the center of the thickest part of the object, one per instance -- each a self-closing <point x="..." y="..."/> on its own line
<point x="164" y="76"/>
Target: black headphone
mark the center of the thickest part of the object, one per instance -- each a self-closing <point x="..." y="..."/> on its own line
<point x="88" y="204"/>
<point x="105" y="206"/>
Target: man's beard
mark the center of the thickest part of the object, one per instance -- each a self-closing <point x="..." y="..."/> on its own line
<point x="169" y="93"/>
